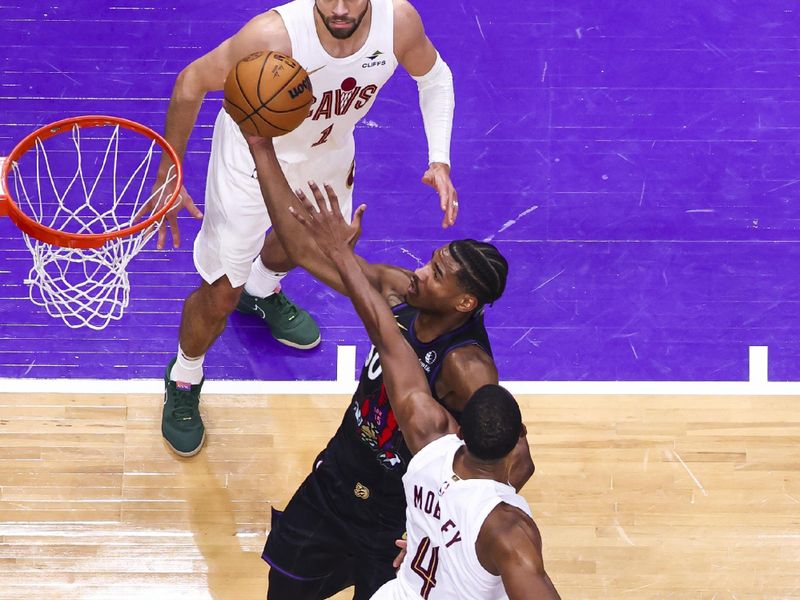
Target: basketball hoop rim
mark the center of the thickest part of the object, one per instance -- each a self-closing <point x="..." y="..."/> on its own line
<point x="10" y="208"/>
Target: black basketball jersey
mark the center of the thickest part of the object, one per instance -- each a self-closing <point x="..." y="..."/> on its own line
<point x="368" y="449"/>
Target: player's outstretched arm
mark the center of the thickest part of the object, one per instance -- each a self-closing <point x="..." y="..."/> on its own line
<point x="510" y="545"/>
<point x="207" y="73"/>
<point x="279" y="197"/>
<point x="420" y="417"/>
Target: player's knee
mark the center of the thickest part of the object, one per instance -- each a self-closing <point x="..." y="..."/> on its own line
<point x="221" y="300"/>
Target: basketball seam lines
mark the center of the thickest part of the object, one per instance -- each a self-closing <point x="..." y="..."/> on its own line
<point x="249" y="117"/>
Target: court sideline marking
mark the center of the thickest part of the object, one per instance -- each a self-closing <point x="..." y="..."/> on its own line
<point x="345" y="384"/>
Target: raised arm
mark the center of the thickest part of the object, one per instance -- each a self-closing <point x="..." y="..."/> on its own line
<point x="279" y="197"/>
<point x="421" y="419"/>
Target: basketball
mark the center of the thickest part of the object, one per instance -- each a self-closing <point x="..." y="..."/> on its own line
<point x="268" y="94"/>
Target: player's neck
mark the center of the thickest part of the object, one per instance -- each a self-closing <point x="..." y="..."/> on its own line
<point x="429" y="326"/>
<point x="343" y="48"/>
<point x="467" y="466"/>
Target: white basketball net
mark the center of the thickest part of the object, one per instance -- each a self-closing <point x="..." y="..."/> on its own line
<point x="98" y="185"/>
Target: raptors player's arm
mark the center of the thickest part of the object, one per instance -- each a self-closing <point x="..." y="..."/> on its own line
<point x="207" y="74"/>
<point x="419" y="416"/>
<point x="434" y="80"/>
<point x="391" y="282"/>
<point x="464" y="371"/>
<point x="509" y="545"/>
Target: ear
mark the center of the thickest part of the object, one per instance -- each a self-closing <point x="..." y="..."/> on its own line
<point x="466" y="303"/>
<point x="459" y="434"/>
<point x="523" y="431"/>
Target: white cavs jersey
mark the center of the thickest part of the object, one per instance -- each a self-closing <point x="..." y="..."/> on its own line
<point x="321" y="149"/>
<point x="444" y="515"/>
<point x="344" y="88"/>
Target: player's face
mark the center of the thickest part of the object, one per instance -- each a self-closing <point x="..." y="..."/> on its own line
<point x="434" y="286"/>
<point x="342" y="17"/>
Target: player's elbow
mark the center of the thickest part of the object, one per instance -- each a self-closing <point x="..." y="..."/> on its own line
<point x="189" y="84"/>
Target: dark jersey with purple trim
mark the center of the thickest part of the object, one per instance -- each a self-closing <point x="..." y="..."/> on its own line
<point x="368" y="448"/>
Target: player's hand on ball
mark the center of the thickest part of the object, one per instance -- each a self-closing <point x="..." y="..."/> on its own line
<point x="438" y="177"/>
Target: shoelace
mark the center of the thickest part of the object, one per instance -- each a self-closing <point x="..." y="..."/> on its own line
<point x="185" y="404"/>
<point x="285" y="306"/>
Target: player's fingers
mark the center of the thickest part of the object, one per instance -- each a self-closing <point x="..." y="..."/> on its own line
<point x="162" y="236"/>
<point x="142" y="212"/>
<point x="358" y="215"/>
<point x="453" y="205"/>
<point x="307" y="205"/>
<point x="333" y="199"/>
<point x="188" y="202"/>
<point x="317" y="194"/>
<point x="173" y="227"/>
<point x="300" y="218"/>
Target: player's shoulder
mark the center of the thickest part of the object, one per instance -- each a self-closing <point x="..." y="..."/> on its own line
<point x="406" y="17"/>
<point x="268" y="27"/>
<point x="508" y="529"/>
<point x="471" y="359"/>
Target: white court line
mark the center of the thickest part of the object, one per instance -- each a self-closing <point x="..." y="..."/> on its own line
<point x="346" y="384"/>
<point x="759" y="359"/>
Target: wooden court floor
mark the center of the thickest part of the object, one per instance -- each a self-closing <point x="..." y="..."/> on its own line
<point x="636" y="496"/>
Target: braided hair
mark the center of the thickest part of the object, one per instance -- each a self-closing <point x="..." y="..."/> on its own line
<point x="483" y="269"/>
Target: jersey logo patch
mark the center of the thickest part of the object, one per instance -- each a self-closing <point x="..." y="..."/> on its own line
<point x="377" y="427"/>
<point x="374" y="60"/>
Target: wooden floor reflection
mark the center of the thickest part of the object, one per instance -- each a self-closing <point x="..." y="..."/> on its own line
<point x="636" y="497"/>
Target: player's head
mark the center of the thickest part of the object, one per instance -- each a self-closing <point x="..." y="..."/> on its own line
<point x="491" y="423"/>
<point x="463" y="276"/>
<point x="341" y="17"/>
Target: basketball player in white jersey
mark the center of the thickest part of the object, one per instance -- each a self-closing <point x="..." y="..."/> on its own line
<point x="350" y="49"/>
<point x="470" y="535"/>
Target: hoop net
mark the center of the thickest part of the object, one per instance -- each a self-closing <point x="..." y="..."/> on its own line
<point x="90" y="184"/>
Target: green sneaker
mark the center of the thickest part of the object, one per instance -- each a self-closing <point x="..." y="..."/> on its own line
<point x="288" y="323"/>
<point x="181" y="424"/>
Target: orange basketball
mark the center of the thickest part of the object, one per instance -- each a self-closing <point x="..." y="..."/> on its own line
<point x="268" y="94"/>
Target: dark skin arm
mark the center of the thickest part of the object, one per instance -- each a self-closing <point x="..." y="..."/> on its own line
<point x="420" y="417"/>
<point x="464" y="371"/>
<point x="278" y="197"/>
<point x="510" y="545"/>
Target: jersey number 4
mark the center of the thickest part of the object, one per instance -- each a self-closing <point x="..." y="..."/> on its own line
<point x="323" y="137"/>
<point x="428" y="573"/>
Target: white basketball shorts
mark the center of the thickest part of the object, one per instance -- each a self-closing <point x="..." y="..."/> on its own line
<point x="235" y="216"/>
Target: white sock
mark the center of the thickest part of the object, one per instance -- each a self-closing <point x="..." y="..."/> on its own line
<point x="262" y="281"/>
<point x="187" y="369"/>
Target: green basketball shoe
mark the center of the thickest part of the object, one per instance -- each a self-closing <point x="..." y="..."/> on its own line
<point x="288" y="323"/>
<point x="181" y="424"/>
